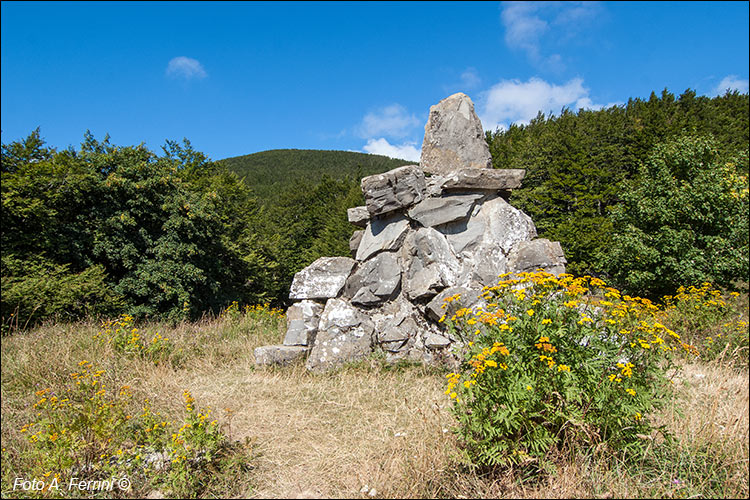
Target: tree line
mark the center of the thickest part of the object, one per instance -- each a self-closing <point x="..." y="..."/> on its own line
<point x="652" y="194"/>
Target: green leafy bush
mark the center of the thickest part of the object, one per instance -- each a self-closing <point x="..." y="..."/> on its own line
<point x="37" y="289"/>
<point x="555" y="362"/>
<point x="684" y="221"/>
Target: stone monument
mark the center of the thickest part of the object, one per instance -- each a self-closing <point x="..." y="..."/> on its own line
<point x="429" y="231"/>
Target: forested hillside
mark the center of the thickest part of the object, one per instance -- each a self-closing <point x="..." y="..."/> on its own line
<point x="581" y="166"/>
<point x="653" y="194"/>
<point x="268" y="173"/>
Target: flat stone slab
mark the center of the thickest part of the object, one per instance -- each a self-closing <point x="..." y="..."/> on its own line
<point x="436" y="341"/>
<point x="322" y="279"/>
<point x="436" y="211"/>
<point x="454" y="137"/>
<point x="382" y="234"/>
<point x="399" y="188"/>
<point x="483" y="179"/>
<point x="358" y="216"/>
<point x="279" y="354"/>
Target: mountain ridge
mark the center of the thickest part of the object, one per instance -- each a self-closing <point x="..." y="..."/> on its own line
<point x="269" y="172"/>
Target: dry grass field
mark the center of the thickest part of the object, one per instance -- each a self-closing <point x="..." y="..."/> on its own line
<point x="368" y="430"/>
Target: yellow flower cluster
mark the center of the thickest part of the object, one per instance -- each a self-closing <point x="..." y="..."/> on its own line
<point x="527" y="302"/>
<point x="256" y="310"/>
<point x="482" y="360"/>
<point x="543" y="344"/>
<point x="703" y="296"/>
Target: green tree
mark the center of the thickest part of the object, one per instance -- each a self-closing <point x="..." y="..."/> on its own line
<point x="167" y="236"/>
<point x="577" y="163"/>
<point x="683" y="221"/>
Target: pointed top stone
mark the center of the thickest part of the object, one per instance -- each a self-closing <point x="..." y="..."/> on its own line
<point x="454" y="137"/>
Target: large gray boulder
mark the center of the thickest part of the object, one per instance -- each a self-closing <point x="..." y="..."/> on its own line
<point x="436" y="211"/>
<point x="430" y="264"/>
<point x="302" y="320"/>
<point x="528" y="256"/>
<point x="375" y="281"/>
<point x="495" y="224"/>
<point x="344" y="334"/>
<point x="382" y="233"/>
<point x="322" y="279"/>
<point x="393" y="190"/>
<point x="454" y="137"/>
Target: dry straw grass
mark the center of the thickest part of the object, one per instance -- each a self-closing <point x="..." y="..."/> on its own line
<point x="330" y="435"/>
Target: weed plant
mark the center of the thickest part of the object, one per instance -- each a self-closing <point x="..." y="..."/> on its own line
<point x="561" y="363"/>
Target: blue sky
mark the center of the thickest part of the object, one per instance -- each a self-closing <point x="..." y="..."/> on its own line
<point x="241" y="77"/>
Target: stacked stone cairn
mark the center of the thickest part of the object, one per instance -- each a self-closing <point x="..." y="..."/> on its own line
<point x="429" y="232"/>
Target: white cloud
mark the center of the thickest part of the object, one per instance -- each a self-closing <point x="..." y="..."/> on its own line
<point x="533" y="26"/>
<point x="523" y="28"/>
<point x="185" y="67"/>
<point x="391" y="121"/>
<point x="731" y="82"/>
<point x="513" y="101"/>
<point x="404" y="151"/>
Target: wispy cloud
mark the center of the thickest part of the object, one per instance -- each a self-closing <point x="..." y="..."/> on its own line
<point x="186" y="68"/>
<point x="470" y="79"/>
<point x="731" y="82"/>
<point x="405" y="151"/>
<point x="532" y="26"/>
<point x="513" y="101"/>
<point x="392" y="121"/>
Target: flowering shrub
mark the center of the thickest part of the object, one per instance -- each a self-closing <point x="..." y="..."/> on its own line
<point x="87" y="432"/>
<point x="551" y="362"/>
<point x="126" y="339"/>
<point x="712" y="321"/>
<point x="262" y="312"/>
<point x="260" y="319"/>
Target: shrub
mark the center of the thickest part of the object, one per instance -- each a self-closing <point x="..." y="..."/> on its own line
<point x="709" y="319"/>
<point x="87" y="432"/>
<point x="555" y="362"/>
<point x="37" y="289"/>
<point x="126" y="339"/>
<point x="684" y="221"/>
